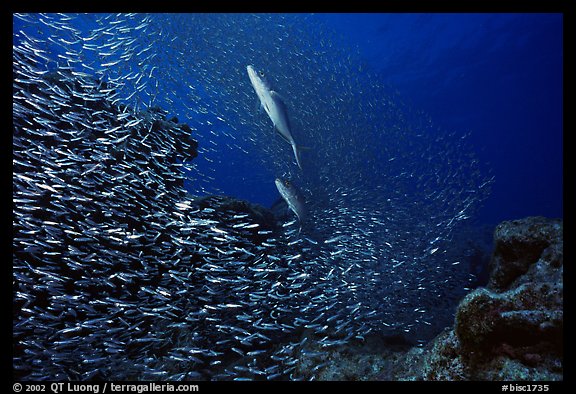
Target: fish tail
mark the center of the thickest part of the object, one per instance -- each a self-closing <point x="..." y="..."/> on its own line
<point x="297" y="155"/>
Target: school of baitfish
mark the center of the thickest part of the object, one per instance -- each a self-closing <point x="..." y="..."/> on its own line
<point x="120" y="273"/>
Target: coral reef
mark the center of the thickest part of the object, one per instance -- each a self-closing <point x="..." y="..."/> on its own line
<point x="526" y="250"/>
<point x="264" y="217"/>
<point x="510" y="330"/>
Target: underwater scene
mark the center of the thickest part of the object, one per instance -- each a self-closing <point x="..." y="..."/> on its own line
<point x="208" y="197"/>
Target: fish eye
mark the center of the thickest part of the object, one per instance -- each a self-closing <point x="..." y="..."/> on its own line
<point x="287" y="183"/>
<point x="261" y="73"/>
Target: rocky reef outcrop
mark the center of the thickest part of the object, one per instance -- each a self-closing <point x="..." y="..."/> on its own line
<point x="510" y="330"/>
<point x="513" y="328"/>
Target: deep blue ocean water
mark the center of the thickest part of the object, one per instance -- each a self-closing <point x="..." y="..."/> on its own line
<point x="496" y="75"/>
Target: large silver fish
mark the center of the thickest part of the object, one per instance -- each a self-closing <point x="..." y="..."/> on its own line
<point x="292" y="197"/>
<point x="274" y="107"/>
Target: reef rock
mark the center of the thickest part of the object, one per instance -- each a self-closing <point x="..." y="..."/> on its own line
<point x="511" y="330"/>
<point x="521" y="245"/>
<point x="256" y="212"/>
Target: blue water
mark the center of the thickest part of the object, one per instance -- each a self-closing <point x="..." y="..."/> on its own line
<point x="496" y="75"/>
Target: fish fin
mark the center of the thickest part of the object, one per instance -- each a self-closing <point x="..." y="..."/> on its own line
<point x="276" y="95"/>
<point x="282" y="136"/>
<point x="297" y="155"/>
<point x="258" y="107"/>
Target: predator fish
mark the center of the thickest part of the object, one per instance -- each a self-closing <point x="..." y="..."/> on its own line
<point x="274" y="107"/>
<point x="292" y="197"/>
